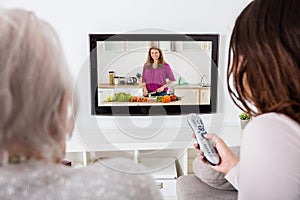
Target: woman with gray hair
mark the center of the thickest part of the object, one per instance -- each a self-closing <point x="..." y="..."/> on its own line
<point x="36" y="118"/>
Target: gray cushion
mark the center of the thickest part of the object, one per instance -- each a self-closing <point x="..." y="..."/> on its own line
<point x="211" y="177"/>
<point x="190" y="187"/>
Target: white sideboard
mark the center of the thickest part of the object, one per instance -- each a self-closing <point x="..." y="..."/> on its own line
<point x="82" y="148"/>
<point x="157" y="147"/>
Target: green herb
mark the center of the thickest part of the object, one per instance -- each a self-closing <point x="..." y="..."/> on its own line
<point x="244" y="116"/>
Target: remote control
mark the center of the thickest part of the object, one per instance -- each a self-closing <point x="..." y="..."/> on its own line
<point x="205" y="145"/>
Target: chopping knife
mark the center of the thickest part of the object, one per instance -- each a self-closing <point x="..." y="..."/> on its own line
<point x="150" y="93"/>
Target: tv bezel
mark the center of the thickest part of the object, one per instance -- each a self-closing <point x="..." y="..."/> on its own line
<point x="144" y="110"/>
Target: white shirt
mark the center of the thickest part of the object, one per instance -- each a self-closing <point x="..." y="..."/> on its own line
<point x="269" y="166"/>
<point x="107" y="180"/>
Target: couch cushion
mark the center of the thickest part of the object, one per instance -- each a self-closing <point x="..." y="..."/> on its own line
<point x="211" y="177"/>
<point x="190" y="187"/>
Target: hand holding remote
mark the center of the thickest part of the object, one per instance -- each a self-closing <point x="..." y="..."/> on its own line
<point x="228" y="159"/>
<point x="205" y="144"/>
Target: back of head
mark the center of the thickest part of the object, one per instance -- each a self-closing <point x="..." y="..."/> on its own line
<point x="34" y="86"/>
<point x="265" y="67"/>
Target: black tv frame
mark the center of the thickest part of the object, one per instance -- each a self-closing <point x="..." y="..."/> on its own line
<point x="164" y="109"/>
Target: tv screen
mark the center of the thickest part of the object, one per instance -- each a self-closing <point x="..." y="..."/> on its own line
<point x="153" y="74"/>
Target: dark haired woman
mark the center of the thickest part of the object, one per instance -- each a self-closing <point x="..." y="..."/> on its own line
<point x="265" y="72"/>
<point x="155" y="73"/>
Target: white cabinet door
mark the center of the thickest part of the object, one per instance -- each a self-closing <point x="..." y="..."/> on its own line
<point x="189" y="96"/>
<point x="204" y="96"/>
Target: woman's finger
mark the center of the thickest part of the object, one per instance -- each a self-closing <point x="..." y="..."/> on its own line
<point x="210" y="136"/>
<point x="201" y="156"/>
<point x="199" y="152"/>
<point x="196" y="146"/>
<point x="213" y="137"/>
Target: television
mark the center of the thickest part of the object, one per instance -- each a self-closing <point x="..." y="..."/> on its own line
<point x="117" y="64"/>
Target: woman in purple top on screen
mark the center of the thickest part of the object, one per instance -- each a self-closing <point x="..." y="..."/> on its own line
<point x="155" y="73"/>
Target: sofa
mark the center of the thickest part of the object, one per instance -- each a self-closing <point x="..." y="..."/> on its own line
<point x="205" y="183"/>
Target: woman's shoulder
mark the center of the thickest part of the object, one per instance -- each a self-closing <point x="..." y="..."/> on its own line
<point x="147" y="66"/>
<point x="116" y="178"/>
<point x="271" y="126"/>
<point x="166" y="64"/>
<point x="274" y="119"/>
<point x="133" y="176"/>
<point x="269" y="156"/>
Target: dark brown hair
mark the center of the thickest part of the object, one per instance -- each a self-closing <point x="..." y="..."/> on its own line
<point x="264" y="48"/>
<point x="150" y="61"/>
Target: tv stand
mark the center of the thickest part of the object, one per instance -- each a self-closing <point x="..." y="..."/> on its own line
<point x="83" y="148"/>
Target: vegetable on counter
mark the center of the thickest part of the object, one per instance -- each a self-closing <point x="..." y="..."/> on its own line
<point x="123" y="97"/>
<point x="138" y="99"/>
<point x="110" y="98"/>
<point x="167" y="98"/>
<point x="173" y="97"/>
<point x="119" y="97"/>
<point x="126" y="97"/>
<point x="159" y="98"/>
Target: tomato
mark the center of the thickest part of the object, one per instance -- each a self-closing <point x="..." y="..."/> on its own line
<point x="173" y="97"/>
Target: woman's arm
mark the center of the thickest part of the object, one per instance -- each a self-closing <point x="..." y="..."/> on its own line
<point x="229" y="162"/>
<point x="160" y="89"/>
<point x="145" y="90"/>
<point x="169" y="72"/>
<point x="169" y="75"/>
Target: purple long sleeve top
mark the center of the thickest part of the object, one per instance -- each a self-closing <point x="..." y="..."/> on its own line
<point x="155" y="78"/>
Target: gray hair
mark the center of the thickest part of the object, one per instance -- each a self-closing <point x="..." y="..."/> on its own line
<point x="35" y="90"/>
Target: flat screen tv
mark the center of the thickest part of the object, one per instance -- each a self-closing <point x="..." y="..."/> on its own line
<point x="118" y="65"/>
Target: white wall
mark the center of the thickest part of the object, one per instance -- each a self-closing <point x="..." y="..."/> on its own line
<point x="73" y="20"/>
